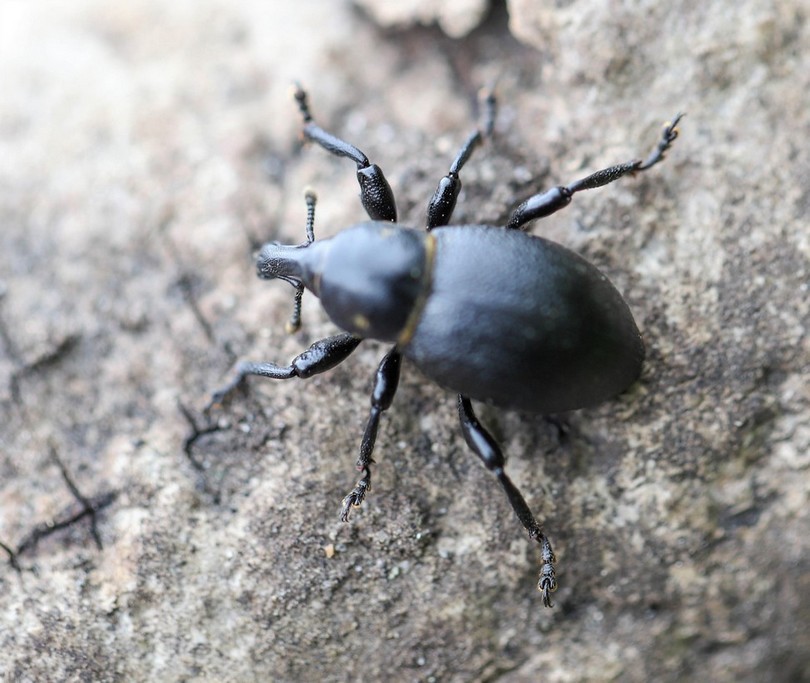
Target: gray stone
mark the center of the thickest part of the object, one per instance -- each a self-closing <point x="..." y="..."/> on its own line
<point x="146" y="147"/>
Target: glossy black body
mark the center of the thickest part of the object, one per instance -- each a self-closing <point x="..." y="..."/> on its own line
<point x="491" y="313"/>
<point x="497" y="315"/>
<point x="521" y="322"/>
<point x="371" y="278"/>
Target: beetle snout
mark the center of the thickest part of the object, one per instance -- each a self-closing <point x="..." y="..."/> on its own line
<point x="276" y="260"/>
<point x="267" y="261"/>
<point x="288" y="261"/>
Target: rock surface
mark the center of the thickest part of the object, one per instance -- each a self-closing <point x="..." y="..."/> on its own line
<point x="146" y="148"/>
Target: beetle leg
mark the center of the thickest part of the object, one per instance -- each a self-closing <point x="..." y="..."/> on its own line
<point x="441" y="206"/>
<point x="485" y="447"/>
<point x="375" y="192"/>
<point x="386" y="381"/>
<point x="550" y="201"/>
<point x="321" y="356"/>
<point x="668" y="136"/>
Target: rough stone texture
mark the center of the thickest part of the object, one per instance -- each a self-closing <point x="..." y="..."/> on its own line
<point x="455" y="18"/>
<point x="147" y="147"/>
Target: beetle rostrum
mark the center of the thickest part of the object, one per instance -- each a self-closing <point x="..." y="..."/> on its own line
<point x="535" y="328"/>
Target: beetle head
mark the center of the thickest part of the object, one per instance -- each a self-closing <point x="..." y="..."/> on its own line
<point x="289" y="262"/>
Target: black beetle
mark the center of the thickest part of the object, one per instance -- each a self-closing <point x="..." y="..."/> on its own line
<point x="490" y="313"/>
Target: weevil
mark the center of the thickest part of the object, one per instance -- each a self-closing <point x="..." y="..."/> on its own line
<point x="490" y="313"/>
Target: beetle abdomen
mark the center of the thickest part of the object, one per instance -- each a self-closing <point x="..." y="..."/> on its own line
<point x="522" y="322"/>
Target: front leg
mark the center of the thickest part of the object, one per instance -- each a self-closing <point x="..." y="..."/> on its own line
<point x="375" y="192"/>
<point x="323" y="355"/>
<point x="486" y="448"/>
